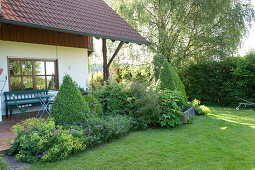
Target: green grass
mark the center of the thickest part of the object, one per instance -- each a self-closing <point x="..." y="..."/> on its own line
<point x="224" y="139"/>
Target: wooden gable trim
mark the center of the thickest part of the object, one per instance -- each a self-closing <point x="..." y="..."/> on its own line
<point x="17" y="33"/>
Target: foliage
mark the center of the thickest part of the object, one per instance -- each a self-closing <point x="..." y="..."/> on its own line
<point x="169" y="79"/>
<point x="220" y="82"/>
<point x="158" y="60"/>
<point x="94" y="105"/>
<point x="100" y="130"/>
<point x="69" y="105"/>
<point x="97" y="81"/>
<point x="198" y="111"/>
<point x="171" y="105"/>
<point x="40" y="140"/>
<point x="3" y="163"/>
<point x="140" y="73"/>
<point x="188" y="31"/>
<point x="195" y="102"/>
<point x="113" y="98"/>
<point x="205" y="109"/>
<point x="143" y="104"/>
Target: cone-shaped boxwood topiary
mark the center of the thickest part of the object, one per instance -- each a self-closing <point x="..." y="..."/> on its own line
<point x="69" y="105"/>
<point x="170" y="80"/>
<point x="94" y="104"/>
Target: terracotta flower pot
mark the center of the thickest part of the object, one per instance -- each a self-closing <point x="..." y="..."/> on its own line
<point x="1" y="70"/>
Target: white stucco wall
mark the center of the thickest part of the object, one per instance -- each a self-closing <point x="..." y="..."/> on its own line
<point x="72" y="61"/>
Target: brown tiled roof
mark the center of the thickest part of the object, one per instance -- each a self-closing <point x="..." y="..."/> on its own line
<point x="84" y="17"/>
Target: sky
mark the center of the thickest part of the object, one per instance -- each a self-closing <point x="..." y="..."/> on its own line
<point x="248" y="43"/>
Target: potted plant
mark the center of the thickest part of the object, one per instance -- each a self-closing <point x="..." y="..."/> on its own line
<point x="1" y="70"/>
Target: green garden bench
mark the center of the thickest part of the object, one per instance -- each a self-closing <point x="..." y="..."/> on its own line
<point x="22" y="100"/>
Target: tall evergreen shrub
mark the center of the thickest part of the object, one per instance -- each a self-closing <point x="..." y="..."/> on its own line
<point x="170" y="80"/>
<point x="158" y="60"/>
<point x="69" y="105"/>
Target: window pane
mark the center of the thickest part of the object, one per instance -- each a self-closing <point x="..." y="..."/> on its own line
<point x="27" y="68"/>
<point x="40" y="82"/>
<point x="16" y="83"/>
<point x="40" y="68"/>
<point x="51" y="82"/>
<point x="50" y="68"/>
<point x="28" y="83"/>
<point x="14" y="67"/>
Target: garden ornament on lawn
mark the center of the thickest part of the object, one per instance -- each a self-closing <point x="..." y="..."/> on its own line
<point x="247" y="103"/>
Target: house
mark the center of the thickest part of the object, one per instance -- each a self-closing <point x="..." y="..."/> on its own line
<point x="41" y="41"/>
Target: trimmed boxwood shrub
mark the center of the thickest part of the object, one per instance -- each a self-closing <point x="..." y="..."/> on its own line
<point x="94" y="104"/>
<point x="170" y="80"/>
<point x="69" y="105"/>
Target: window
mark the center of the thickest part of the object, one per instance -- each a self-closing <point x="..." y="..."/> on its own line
<point x="26" y="74"/>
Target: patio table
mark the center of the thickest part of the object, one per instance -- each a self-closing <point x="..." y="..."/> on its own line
<point x="45" y="101"/>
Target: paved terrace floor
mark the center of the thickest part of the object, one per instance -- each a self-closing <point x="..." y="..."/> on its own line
<point x="6" y="135"/>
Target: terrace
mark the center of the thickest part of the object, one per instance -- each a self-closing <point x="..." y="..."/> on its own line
<point x="6" y="135"/>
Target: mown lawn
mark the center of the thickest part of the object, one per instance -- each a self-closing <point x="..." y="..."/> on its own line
<point x="224" y="139"/>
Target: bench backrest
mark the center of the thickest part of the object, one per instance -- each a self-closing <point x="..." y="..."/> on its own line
<point x="22" y="95"/>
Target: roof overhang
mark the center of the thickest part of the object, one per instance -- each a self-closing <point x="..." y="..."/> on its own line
<point x="7" y="21"/>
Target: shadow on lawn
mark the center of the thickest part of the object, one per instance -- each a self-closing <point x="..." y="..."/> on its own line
<point x="244" y="117"/>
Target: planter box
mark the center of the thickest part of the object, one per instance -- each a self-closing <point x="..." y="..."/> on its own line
<point x="187" y="114"/>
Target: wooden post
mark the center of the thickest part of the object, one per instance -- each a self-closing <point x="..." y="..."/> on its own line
<point x="105" y="67"/>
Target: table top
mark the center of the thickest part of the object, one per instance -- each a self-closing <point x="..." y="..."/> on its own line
<point x="44" y="96"/>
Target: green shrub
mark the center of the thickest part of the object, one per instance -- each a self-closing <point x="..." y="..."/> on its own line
<point x="98" y="81"/>
<point x="198" y="111"/>
<point x="100" y="130"/>
<point x="140" y="73"/>
<point x="205" y="109"/>
<point x="69" y="105"/>
<point x="143" y="104"/>
<point x="3" y="163"/>
<point x="94" y="105"/>
<point x="113" y="98"/>
<point x="170" y="80"/>
<point x="40" y="140"/>
<point x="171" y="105"/>
<point x="158" y="60"/>
<point x="219" y="82"/>
<point x="195" y="102"/>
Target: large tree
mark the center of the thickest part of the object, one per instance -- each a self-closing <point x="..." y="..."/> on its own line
<point x="188" y="30"/>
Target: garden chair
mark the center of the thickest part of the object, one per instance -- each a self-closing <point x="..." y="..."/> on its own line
<point x="21" y="107"/>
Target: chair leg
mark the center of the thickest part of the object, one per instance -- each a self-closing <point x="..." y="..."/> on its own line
<point x="11" y="113"/>
<point x="6" y="112"/>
